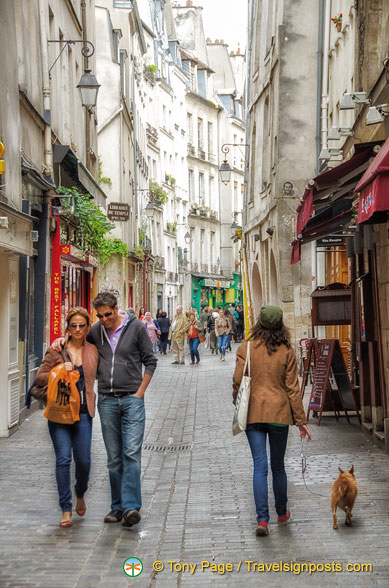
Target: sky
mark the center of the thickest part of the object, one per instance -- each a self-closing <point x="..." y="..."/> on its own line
<point x="225" y="19"/>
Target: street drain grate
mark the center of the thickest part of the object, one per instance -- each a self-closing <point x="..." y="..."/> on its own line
<point x="170" y="447"/>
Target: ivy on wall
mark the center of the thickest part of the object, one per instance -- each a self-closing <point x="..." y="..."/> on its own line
<point x="92" y="226"/>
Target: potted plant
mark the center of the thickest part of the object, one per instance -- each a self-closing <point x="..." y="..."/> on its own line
<point x="337" y="20"/>
<point x="194" y="207"/>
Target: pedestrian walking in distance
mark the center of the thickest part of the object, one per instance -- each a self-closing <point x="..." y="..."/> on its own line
<point x="123" y="346"/>
<point x="153" y="330"/>
<point x="141" y="314"/>
<point x="222" y="330"/>
<point x="275" y="403"/>
<point x="164" y="325"/>
<point x="76" y="438"/>
<point x="239" y="319"/>
<point x="179" y="328"/>
<point x="213" y="315"/>
<point x="195" y="329"/>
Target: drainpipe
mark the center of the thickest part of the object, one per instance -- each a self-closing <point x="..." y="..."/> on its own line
<point x="42" y="266"/>
<point x="86" y="66"/>
<point x="324" y="83"/>
<point x="46" y="90"/>
<point x="318" y="125"/>
<point x="248" y="85"/>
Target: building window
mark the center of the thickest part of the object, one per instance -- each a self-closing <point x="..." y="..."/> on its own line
<point x="200" y="133"/>
<point x="201" y="189"/>
<point x="189" y="121"/>
<point x="210" y="138"/>
<point x="191" y="185"/>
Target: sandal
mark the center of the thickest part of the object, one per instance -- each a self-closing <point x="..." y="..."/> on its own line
<point x="80" y="507"/>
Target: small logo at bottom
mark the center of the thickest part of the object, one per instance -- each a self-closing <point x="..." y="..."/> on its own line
<point x="133" y="567"/>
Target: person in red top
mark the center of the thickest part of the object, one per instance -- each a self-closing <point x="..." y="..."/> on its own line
<point x="195" y="328"/>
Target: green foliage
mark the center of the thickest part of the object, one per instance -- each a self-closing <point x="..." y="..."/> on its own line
<point x="110" y="247"/>
<point x="157" y="193"/>
<point x="103" y="179"/>
<point x="171" y="227"/>
<point x="138" y="251"/>
<point x="93" y="227"/>
<point x="151" y="70"/>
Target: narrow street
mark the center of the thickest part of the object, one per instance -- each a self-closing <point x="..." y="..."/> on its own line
<point x="198" y="503"/>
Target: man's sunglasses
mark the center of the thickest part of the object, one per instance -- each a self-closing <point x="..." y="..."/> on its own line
<point x="75" y="325"/>
<point x="106" y="314"/>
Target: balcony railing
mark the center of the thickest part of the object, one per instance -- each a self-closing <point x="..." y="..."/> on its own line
<point x="204" y="268"/>
<point x="215" y="269"/>
<point x="159" y="262"/>
<point x="191" y="149"/>
<point x="194" y="266"/>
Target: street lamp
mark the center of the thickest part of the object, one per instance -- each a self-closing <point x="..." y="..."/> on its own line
<point x="187" y="238"/>
<point x="225" y="172"/>
<point x="89" y="88"/>
<point x="225" y="168"/>
<point x="150" y="210"/>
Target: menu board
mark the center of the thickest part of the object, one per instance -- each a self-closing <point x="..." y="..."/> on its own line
<point x="325" y="397"/>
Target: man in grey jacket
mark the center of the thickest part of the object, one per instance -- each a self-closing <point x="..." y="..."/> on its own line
<point x="123" y="345"/>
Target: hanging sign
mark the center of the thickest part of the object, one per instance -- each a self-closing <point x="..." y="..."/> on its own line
<point x="118" y="211"/>
<point x="56" y="300"/>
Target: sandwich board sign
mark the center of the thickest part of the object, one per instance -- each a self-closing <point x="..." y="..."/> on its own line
<point x="331" y="394"/>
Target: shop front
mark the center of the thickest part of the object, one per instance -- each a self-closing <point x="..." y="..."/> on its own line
<point x="211" y="292"/>
<point x="345" y="210"/>
<point x="73" y="282"/>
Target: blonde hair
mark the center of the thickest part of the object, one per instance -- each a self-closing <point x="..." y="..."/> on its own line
<point x="77" y="310"/>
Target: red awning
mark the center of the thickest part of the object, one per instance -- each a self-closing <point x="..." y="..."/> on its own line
<point x="305" y="210"/>
<point x="374" y="201"/>
<point x="296" y="251"/>
<point x="374" y="189"/>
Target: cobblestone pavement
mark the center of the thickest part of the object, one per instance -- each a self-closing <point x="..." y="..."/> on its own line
<point x="198" y="503"/>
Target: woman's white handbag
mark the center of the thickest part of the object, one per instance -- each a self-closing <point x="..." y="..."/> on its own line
<point x="239" y="421"/>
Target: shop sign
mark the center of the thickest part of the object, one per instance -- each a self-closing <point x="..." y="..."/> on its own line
<point x="210" y="283"/>
<point x="326" y="241"/>
<point x="55" y="305"/>
<point x="72" y="251"/>
<point x="118" y="211"/>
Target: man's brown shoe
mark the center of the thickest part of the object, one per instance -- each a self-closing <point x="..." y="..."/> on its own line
<point x="130" y="518"/>
<point x="115" y="516"/>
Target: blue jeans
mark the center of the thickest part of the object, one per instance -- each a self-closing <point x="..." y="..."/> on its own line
<point x="194" y="352"/>
<point x="278" y="438"/>
<point x="222" y="343"/>
<point x="123" y="425"/>
<point x="65" y="438"/>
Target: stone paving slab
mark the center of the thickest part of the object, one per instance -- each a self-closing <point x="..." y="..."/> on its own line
<point x="198" y="503"/>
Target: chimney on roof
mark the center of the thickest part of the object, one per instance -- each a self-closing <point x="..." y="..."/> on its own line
<point x="189" y="3"/>
<point x="216" y="41"/>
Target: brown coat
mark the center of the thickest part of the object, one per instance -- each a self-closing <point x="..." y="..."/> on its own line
<point x="275" y="391"/>
<point x="90" y="360"/>
<point x="222" y="326"/>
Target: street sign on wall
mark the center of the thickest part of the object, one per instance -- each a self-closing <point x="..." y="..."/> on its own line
<point x="118" y="211"/>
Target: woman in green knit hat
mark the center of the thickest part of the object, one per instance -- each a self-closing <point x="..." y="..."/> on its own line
<point x="275" y="403"/>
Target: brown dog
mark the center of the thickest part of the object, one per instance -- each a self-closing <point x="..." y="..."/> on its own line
<point x="343" y="494"/>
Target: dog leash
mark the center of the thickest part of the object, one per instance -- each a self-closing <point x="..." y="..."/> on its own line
<point x="303" y="470"/>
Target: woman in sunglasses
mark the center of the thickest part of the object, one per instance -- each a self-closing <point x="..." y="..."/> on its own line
<point x="77" y="437"/>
